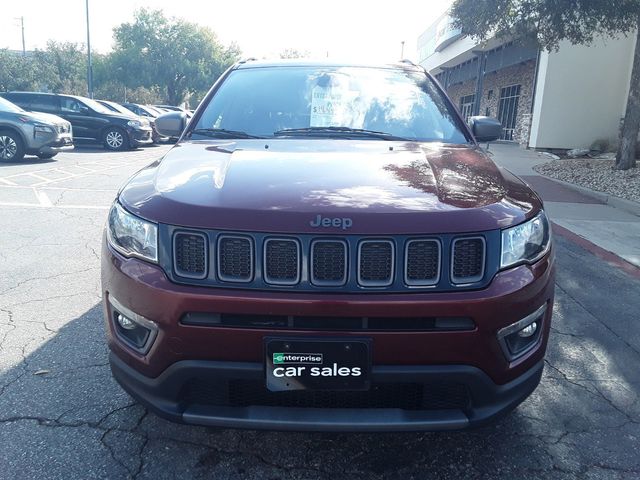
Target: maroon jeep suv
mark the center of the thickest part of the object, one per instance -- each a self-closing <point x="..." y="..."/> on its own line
<point x="327" y="248"/>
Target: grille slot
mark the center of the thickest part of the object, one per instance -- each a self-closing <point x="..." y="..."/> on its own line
<point x="328" y="262"/>
<point x="405" y="396"/>
<point x="281" y="261"/>
<point x="340" y="323"/>
<point x="190" y="254"/>
<point x="422" y="262"/>
<point x="375" y="263"/>
<point x="468" y="261"/>
<point x="235" y="258"/>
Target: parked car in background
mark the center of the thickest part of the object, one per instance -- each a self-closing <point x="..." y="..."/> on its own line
<point x="91" y="121"/>
<point x="39" y="134"/>
<point x="170" y="107"/>
<point x="148" y="113"/>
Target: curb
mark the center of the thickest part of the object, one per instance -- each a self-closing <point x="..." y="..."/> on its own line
<point x="609" y="257"/>
<point x="628" y="206"/>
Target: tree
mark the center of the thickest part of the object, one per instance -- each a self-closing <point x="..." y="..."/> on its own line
<point x="181" y="57"/>
<point x="17" y="72"/>
<point x="293" y="53"/>
<point x="63" y="67"/>
<point x="551" y="21"/>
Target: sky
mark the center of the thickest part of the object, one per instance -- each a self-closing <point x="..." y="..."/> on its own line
<point x="358" y="29"/>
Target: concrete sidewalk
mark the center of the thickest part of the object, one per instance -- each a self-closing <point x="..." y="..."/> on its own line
<point x="586" y="214"/>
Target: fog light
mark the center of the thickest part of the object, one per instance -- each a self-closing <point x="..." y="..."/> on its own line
<point x="521" y="336"/>
<point x="125" y="322"/>
<point x="528" y="330"/>
<point x="132" y="329"/>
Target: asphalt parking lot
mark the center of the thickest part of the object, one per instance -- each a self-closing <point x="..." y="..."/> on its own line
<point x="62" y="415"/>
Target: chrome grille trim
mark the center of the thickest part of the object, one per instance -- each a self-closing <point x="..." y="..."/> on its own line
<point x="461" y="281"/>
<point x="183" y="273"/>
<point x="422" y="283"/>
<point x="227" y="278"/>
<point x="265" y="269"/>
<point x="328" y="283"/>
<point x="376" y="283"/>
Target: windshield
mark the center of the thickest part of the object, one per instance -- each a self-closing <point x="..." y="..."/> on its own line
<point x="95" y="106"/>
<point x="119" y="109"/>
<point x="7" y="106"/>
<point x="332" y="100"/>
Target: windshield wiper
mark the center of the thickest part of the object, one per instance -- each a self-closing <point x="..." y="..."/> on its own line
<point x="346" y="131"/>
<point x="221" y="133"/>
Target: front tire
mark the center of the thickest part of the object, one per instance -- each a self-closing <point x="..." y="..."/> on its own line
<point x="115" y="139"/>
<point x="11" y="147"/>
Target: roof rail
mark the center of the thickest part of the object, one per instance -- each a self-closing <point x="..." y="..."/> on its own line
<point x="249" y="59"/>
<point x="407" y="61"/>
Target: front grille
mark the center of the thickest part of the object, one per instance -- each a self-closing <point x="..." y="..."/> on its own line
<point x="422" y="262"/>
<point x="190" y="254"/>
<point x="405" y="396"/>
<point x="328" y="262"/>
<point x="235" y="258"/>
<point x="375" y="259"/>
<point x="325" y="263"/>
<point x="282" y="261"/>
<point x="468" y="260"/>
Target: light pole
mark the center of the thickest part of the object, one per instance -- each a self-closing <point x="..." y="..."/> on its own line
<point x="24" y="49"/>
<point x="89" y="65"/>
<point x="402" y="50"/>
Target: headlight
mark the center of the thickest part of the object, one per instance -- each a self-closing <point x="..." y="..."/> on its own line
<point x="132" y="236"/>
<point x="134" y="123"/>
<point x="43" y="129"/>
<point x="525" y="243"/>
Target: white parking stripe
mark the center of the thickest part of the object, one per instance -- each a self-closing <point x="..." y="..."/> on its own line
<point x="55" y="207"/>
<point x="43" y="198"/>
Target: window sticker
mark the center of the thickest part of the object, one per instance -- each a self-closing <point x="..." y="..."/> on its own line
<point x="333" y="104"/>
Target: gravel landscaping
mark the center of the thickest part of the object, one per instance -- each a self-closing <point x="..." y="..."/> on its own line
<point x="595" y="174"/>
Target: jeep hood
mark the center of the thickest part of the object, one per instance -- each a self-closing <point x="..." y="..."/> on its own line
<point x="283" y="185"/>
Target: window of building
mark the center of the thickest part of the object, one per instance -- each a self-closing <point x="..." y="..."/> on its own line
<point x="508" y="110"/>
<point x="466" y="106"/>
<point x="490" y="94"/>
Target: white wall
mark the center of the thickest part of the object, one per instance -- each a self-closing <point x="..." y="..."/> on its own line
<point x="581" y="93"/>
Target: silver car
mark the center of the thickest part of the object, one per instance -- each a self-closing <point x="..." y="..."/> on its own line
<point x="32" y="133"/>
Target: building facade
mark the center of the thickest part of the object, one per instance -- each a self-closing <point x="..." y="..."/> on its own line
<point x="559" y="100"/>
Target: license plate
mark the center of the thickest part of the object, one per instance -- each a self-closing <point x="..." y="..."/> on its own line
<point x="319" y="364"/>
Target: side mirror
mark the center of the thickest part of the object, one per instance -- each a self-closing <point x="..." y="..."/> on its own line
<point x="485" y="129"/>
<point x="171" y="124"/>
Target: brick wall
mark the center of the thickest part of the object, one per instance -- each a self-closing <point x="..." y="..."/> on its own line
<point x="523" y="75"/>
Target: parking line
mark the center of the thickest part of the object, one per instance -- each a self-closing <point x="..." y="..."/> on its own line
<point x="55" y="207"/>
<point x="42" y="197"/>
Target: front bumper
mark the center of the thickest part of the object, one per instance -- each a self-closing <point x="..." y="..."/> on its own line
<point x="164" y="396"/>
<point x="180" y="353"/>
<point x="55" y="144"/>
<point x="139" y="136"/>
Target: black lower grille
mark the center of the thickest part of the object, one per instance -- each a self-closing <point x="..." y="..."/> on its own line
<point x="329" y="262"/>
<point x="235" y="259"/>
<point x="406" y="396"/>
<point x="468" y="260"/>
<point x="282" y="261"/>
<point x="190" y="251"/>
<point x="375" y="263"/>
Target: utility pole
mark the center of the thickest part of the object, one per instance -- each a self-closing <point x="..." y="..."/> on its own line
<point x="89" y="65"/>
<point x="24" y="49"/>
<point x="402" y="50"/>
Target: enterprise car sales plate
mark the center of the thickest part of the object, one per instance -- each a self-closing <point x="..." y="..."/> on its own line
<point x="318" y="364"/>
